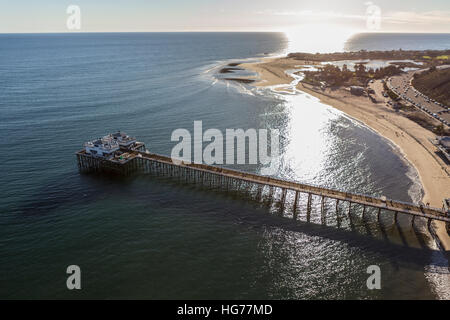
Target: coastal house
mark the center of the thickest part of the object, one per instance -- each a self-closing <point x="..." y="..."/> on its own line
<point x="357" y="90"/>
<point x="443" y="144"/>
<point x="446" y="208"/>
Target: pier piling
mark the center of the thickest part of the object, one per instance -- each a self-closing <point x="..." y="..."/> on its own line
<point x="295" y="205"/>
<point x="308" y="208"/>
<point x="130" y="161"/>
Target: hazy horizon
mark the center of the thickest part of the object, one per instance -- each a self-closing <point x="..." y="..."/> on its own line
<point x="350" y="16"/>
<point x="224" y="31"/>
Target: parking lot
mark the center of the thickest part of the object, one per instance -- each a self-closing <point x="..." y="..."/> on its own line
<point x="401" y="85"/>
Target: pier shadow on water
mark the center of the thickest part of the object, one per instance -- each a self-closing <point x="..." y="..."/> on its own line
<point x="395" y="238"/>
<point x="70" y="190"/>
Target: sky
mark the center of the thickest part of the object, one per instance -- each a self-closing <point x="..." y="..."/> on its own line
<point x="225" y="15"/>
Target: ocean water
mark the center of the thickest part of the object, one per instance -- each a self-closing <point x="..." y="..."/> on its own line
<point x="396" y="41"/>
<point x="316" y="40"/>
<point x="155" y="238"/>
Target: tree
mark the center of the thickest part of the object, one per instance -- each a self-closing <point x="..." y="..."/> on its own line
<point x="360" y="70"/>
<point x="439" y="130"/>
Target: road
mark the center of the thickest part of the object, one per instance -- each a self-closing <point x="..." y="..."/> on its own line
<point x="402" y="86"/>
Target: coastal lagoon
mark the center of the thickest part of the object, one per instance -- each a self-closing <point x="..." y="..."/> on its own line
<point x="147" y="237"/>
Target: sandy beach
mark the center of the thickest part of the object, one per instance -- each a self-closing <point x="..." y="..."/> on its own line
<point x="410" y="138"/>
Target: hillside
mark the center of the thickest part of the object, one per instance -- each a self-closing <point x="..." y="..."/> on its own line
<point x="428" y="57"/>
<point x="435" y="84"/>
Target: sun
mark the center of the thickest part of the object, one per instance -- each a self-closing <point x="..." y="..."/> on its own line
<point x="318" y="38"/>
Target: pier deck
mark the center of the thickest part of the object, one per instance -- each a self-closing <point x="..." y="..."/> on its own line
<point x="139" y="161"/>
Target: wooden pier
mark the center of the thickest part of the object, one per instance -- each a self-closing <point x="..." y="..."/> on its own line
<point x="132" y="161"/>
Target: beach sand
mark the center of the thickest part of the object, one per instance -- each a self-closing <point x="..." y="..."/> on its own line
<point x="410" y="138"/>
<point x="272" y="70"/>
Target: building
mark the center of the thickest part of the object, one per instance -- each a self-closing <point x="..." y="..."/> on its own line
<point x="112" y="144"/>
<point x="356" y="90"/>
<point x="103" y="148"/>
<point x="446" y="208"/>
<point x="443" y="144"/>
<point x="122" y="139"/>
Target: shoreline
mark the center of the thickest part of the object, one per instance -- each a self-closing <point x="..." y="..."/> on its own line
<point x="409" y="137"/>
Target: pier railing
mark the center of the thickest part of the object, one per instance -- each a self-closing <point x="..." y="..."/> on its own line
<point x="159" y="164"/>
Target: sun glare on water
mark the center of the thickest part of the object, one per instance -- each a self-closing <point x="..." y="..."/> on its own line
<point x="318" y="38"/>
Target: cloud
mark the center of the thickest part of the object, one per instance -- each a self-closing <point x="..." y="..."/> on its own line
<point x="312" y="14"/>
<point x="410" y="17"/>
<point x="434" y="19"/>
